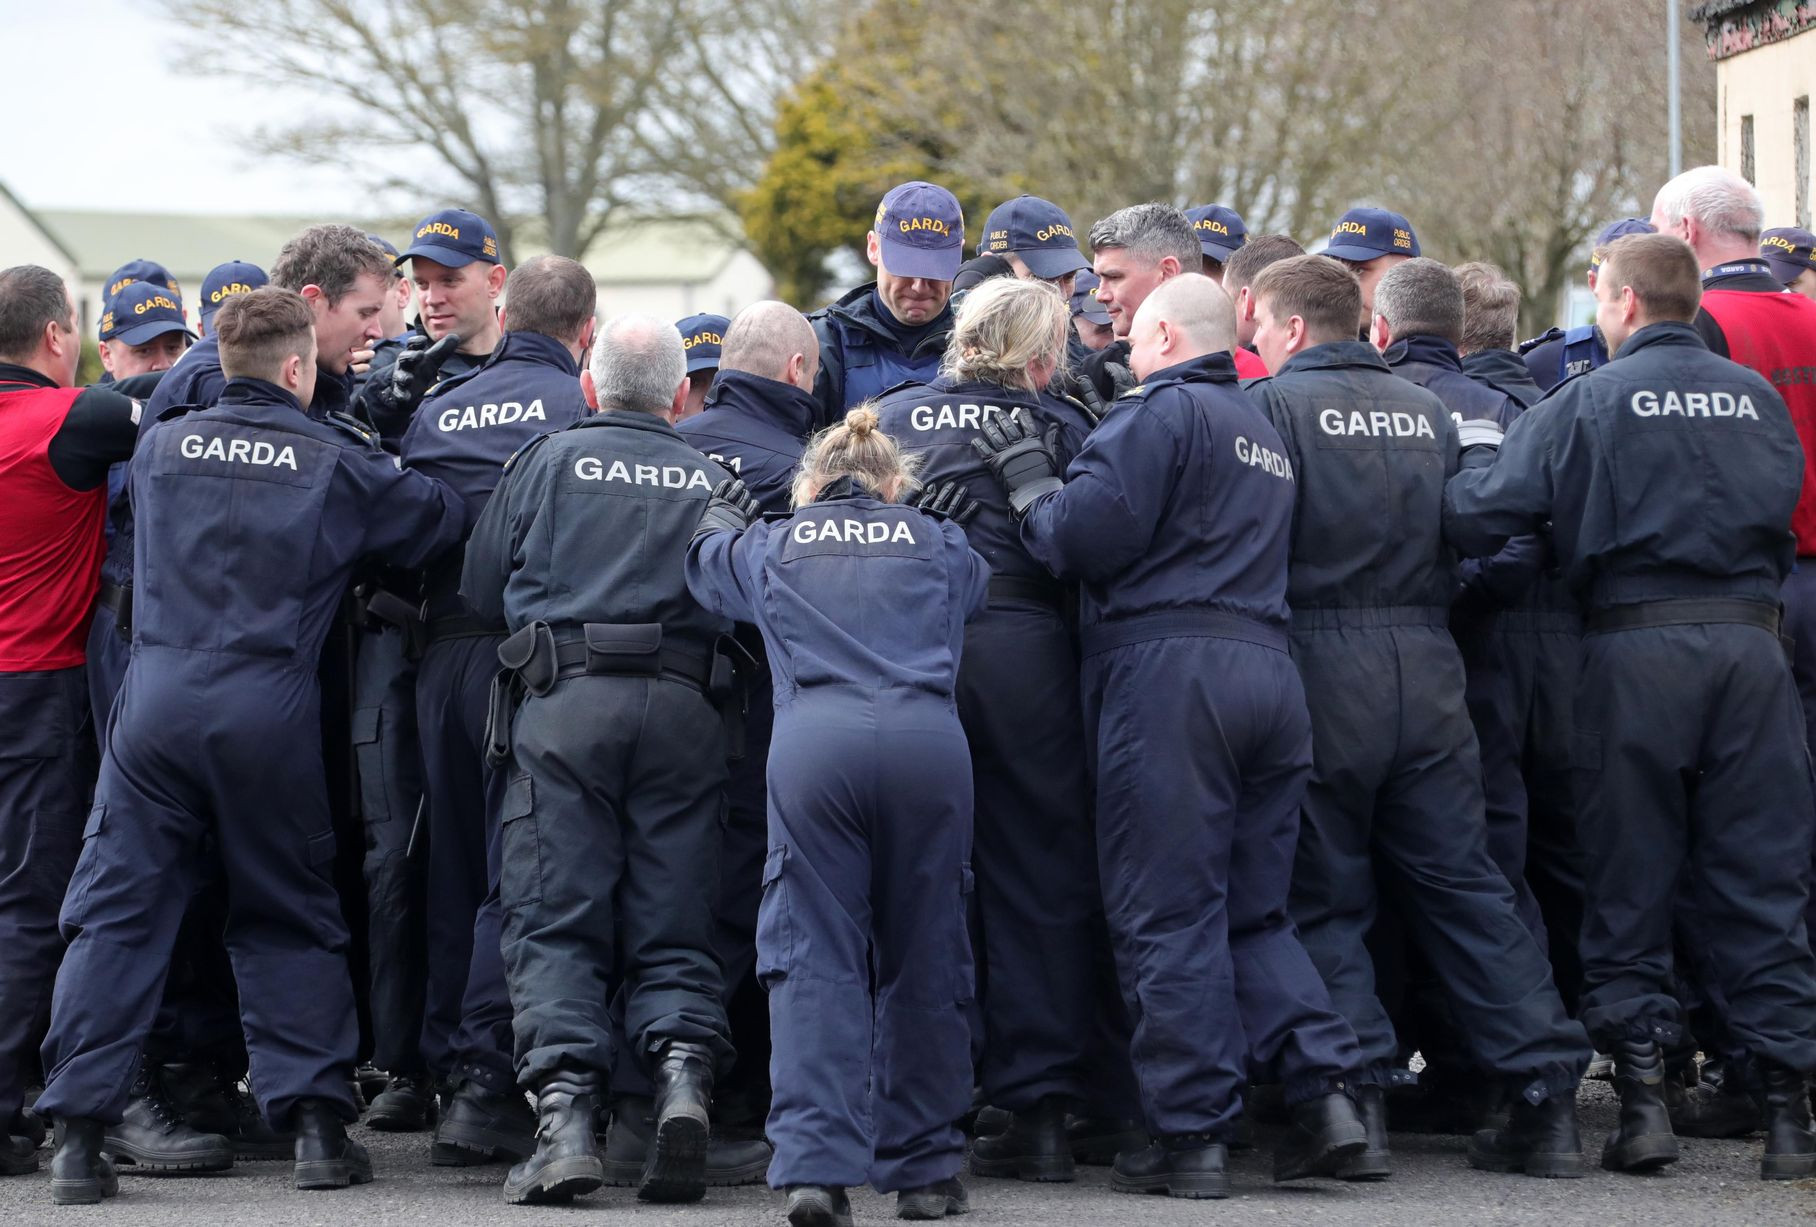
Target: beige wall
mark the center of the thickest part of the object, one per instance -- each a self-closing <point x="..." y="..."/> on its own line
<point x="742" y="281"/>
<point x="1763" y="83"/>
<point x="22" y="242"/>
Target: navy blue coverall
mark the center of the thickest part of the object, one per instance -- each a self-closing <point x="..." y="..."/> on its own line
<point x="250" y="517"/>
<point x="1174" y="520"/>
<point x="1669" y="477"/>
<point x="861" y="939"/>
<point x="865" y="351"/>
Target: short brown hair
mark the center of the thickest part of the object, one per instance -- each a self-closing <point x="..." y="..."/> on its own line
<point x="30" y="297"/>
<point x="1261" y="251"/>
<point x="1491" y="307"/>
<point x="332" y="258"/>
<point x="1319" y="290"/>
<point x="1660" y="269"/>
<point x="259" y="331"/>
<point x="550" y="295"/>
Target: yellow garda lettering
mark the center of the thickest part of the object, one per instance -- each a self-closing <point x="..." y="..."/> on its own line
<point x="154" y="302"/>
<point x="911" y="224"/>
<point x="1053" y="232"/>
<point x="1403" y="238"/>
<point x="117" y="286"/>
<point x="702" y="338"/>
<point x="107" y="322"/>
<point x="441" y="228"/>
<point x="1349" y="228"/>
<point x="490" y="246"/>
<point x="1782" y="242"/>
<point x="1215" y="227"/>
<point x="229" y="290"/>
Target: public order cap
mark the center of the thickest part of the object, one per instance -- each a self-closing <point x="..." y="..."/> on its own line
<point x="453" y="237"/>
<point x="1360" y="235"/>
<point x="1617" y="230"/>
<point x="1036" y="231"/>
<point x="921" y="231"/>
<point x="140" y="311"/>
<point x="1790" y="250"/>
<point x="1084" y="298"/>
<point x="701" y="337"/>
<point x="139" y="270"/>
<point x="225" y="280"/>
<point x="1221" y="230"/>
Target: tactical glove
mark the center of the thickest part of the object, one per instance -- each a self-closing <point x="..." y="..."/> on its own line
<point x="402" y="388"/>
<point x="731" y="508"/>
<point x="1021" y="460"/>
<point x="946" y="500"/>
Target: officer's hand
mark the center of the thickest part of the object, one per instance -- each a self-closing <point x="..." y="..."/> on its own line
<point x="1020" y="459"/>
<point x="362" y="360"/>
<point x="946" y="500"/>
<point x="731" y="508"/>
<point x="1120" y="376"/>
<point x="414" y="373"/>
<point x="1073" y="387"/>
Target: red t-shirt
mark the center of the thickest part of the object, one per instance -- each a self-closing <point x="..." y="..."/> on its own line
<point x="1249" y="364"/>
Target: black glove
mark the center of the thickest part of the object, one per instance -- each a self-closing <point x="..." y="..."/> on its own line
<point x="946" y="500"/>
<point x="1073" y="387"/>
<point x="1022" y="461"/>
<point x="732" y="508"/>
<point x="411" y="377"/>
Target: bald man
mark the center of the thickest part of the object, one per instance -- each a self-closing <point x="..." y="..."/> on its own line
<point x="1175" y="520"/>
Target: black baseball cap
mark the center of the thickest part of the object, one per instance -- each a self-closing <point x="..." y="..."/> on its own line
<point x="1790" y="250"/>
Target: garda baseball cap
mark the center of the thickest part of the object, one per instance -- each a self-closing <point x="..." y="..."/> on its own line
<point x="1038" y="232"/>
<point x="1790" y="250"/>
<point x="1360" y="235"/>
<point x="225" y="280"/>
<point x="1084" y="298"/>
<point x="1617" y="230"/>
<point x="921" y="231"/>
<point x="139" y="270"/>
<point x="143" y="310"/>
<point x="702" y="336"/>
<point x="453" y="237"/>
<point x="1221" y="230"/>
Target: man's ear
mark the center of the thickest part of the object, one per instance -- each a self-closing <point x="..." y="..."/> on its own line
<point x="873" y="249"/>
<point x="1379" y="333"/>
<point x="495" y="279"/>
<point x="679" y="403"/>
<point x="588" y="393"/>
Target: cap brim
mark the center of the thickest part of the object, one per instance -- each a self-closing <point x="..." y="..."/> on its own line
<point x="1219" y="252"/>
<point x="708" y="363"/>
<point x="1787" y="271"/>
<point x="138" y="334"/>
<point x="1356" y="254"/>
<point x="928" y="263"/>
<point x="1049" y="263"/>
<point x="441" y="255"/>
<point x="1097" y="315"/>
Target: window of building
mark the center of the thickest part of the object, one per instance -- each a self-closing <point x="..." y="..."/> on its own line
<point x="1800" y="148"/>
<point x="1746" y="149"/>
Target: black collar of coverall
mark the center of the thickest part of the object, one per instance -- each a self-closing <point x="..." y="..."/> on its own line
<point x="1219" y="367"/>
<point x="629" y="419"/>
<point x="1335" y="355"/>
<point x="245" y="390"/>
<point x="769" y="401"/>
<point x="1667" y="332"/>
<point x="1423" y="347"/>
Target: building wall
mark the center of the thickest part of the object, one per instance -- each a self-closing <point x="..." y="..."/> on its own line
<point x="741" y="281"/>
<point x="1764" y="83"/>
<point x="23" y="242"/>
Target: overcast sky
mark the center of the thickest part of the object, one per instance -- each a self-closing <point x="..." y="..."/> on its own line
<point x="102" y="113"/>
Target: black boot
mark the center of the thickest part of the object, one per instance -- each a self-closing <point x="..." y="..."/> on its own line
<point x="18" y="1156"/>
<point x="479" y="1125"/>
<point x="153" y="1138"/>
<point x="194" y="1088"/>
<point x="1374" y="1161"/>
<point x="1644" y="1142"/>
<point x="1539" y="1140"/>
<point x="1179" y="1165"/>
<point x="729" y="1161"/>
<point x="676" y="1171"/>
<point x="80" y="1175"/>
<point x="406" y="1105"/>
<point x="372" y="1080"/>
<point x="816" y="1205"/>
<point x="1784" y="1102"/>
<point x="1708" y="1110"/>
<point x="1032" y="1147"/>
<point x="326" y="1158"/>
<point x="1325" y="1132"/>
<point x="932" y="1201"/>
<point x="1097" y="1140"/>
<point x="566" y="1163"/>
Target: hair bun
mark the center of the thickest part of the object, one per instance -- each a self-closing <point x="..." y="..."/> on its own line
<point x="861" y="421"/>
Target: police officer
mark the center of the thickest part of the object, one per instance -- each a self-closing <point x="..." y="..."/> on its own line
<point x="1670" y="477"/>
<point x="1561" y="353"/>
<point x="1174" y="519"/>
<point x="223" y="282"/>
<point x="862" y="604"/>
<point x="143" y="329"/>
<point x="1034" y="237"/>
<point x="1369" y="242"/>
<point x="702" y="335"/>
<point x="1038" y="905"/>
<point x="61" y="440"/>
<point x="1133" y="251"/>
<point x="1090" y="321"/>
<point x="1237" y="281"/>
<point x="1791" y="253"/>
<point x="225" y="657"/>
<point x="463" y="434"/>
<point x="894" y="328"/>
<point x="1396" y="780"/>
<point x="1221" y="232"/>
<point x="392" y="319"/>
<point x="610" y="825"/>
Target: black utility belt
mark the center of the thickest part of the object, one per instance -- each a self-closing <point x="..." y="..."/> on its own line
<point x="1021" y="588"/>
<point x="117" y="599"/>
<point x="460" y="626"/>
<point x="540" y="658"/>
<point x="1690" y="611"/>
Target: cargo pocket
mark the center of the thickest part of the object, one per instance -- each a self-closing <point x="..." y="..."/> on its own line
<point x="82" y="869"/>
<point x="964" y="967"/>
<point x="319" y="853"/>
<point x="520" y="846"/>
<point x="369" y="759"/>
<point x="775" y="928"/>
<point x="56" y="842"/>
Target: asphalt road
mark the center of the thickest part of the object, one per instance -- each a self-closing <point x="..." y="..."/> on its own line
<point x="1715" y="1183"/>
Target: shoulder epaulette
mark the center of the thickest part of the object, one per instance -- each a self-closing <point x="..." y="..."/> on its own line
<point x="347" y="424"/>
<point x="538" y="441"/>
<point x="176" y="411"/>
<point x="1554" y="334"/>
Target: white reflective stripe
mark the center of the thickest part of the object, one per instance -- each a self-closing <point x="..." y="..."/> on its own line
<point x="137" y="408"/>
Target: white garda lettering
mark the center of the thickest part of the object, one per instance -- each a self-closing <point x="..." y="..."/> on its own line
<point x="238" y="451"/>
<point x="474" y="417"/>
<point x="1264" y="458"/>
<point x="192" y="447"/>
<point x="1645" y="404"/>
<point x="1376" y="422"/>
<point x="959" y="417"/>
<point x="588" y="468"/>
<point x="804" y="532"/>
<point x="851" y="532"/>
<point x="668" y="476"/>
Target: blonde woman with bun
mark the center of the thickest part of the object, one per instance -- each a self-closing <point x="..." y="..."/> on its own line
<point x="861" y="940"/>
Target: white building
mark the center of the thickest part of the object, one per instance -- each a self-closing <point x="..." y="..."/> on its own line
<point x="1765" y="74"/>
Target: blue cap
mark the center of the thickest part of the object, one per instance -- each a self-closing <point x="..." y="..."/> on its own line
<point x="383" y="244"/>
<point x="1084" y="298"/>
<point x="453" y="237"/>
<point x="1221" y="230"/>
<point x="1618" y="230"/>
<point x="701" y="336"/>
<point x="1790" y="250"/>
<point x="225" y="280"/>
<point x="140" y="311"/>
<point x="1036" y="231"/>
<point x="921" y="231"/>
<point x="1362" y="234"/>
<point x="139" y="270"/>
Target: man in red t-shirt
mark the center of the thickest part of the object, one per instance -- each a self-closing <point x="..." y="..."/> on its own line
<point x="1239" y="273"/>
<point x="56" y="442"/>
